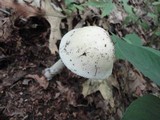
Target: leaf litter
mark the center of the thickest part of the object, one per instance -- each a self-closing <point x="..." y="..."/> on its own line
<point x="25" y="94"/>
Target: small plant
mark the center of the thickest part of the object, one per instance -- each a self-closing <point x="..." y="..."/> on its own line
<point x="144" y="108"/>
<point x="106" y="6"/>
<point x="144" y="59"/>
<point x="72" y="6"/>
<point x="145" y="17"/>
<point x="130" y="48"/>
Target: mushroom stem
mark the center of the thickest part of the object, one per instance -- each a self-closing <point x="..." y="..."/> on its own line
<point x="49" y="73"/>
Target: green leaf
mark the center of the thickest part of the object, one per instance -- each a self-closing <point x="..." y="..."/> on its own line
<point x="132" y="17"/>
<point x="108" y="8"/>
<point x="157" y="33"/>
<point x="145" y="60"/>
<point x="144" y="108"/>
<point x="156" y="3"/>
<point x="118" y="53"/>
<point x="153" y="50"/>
<point x="144" y="24"/>
<point x="152" y="15"/>
<point x="127" y="8"/>
<point x="105" y="6"/>
<point x="133" y="39"/>
<point x="79" y="7"/>
<point x="68" y="2"/>
<point x="95" y="4"/>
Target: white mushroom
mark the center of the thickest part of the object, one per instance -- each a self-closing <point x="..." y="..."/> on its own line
<point x="87" y="52"/>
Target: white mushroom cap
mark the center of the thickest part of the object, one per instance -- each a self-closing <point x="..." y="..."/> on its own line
<point x="88" y="52"/>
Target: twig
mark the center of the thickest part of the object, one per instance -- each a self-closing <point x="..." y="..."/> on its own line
<point x="5" y="11"/>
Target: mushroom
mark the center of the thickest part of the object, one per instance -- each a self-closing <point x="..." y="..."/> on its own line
<point x="87" y="52"/>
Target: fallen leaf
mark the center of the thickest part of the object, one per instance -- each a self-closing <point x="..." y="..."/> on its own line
<point x="61" y="88"/>
<point x="136" y="82"/>
<point x="21" y="8"/>
<point x="117" y="16"/>
<point x="68" y="93"/>
<point x="43" y="82"/>
<point x="54" y="18"/>
<point x="5" y="28"/>
<point x="91" y="86"/>
<point x="44" y="8"/>
<point x="106" y="91"/>
<point x="55" y="33"/>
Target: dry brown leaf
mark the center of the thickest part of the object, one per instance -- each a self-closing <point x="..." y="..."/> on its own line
<point x="54" y="18"/>
<point x="113" y="81"/>
<point x="61" y="88"/>
<point x="43" y="82"/>
<point x="68" y="93"/>
<point x="21" y="8"/>
<point x="55" y="33"/>
<point x="103" y="86"/>
<point x="5" y="29"/>
<point x="136" y="82"/>
<point x="117" y="16"/>
<point x="28" y="8"/>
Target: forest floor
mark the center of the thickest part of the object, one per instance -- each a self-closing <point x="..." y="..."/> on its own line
<point x="24" y="54"/>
